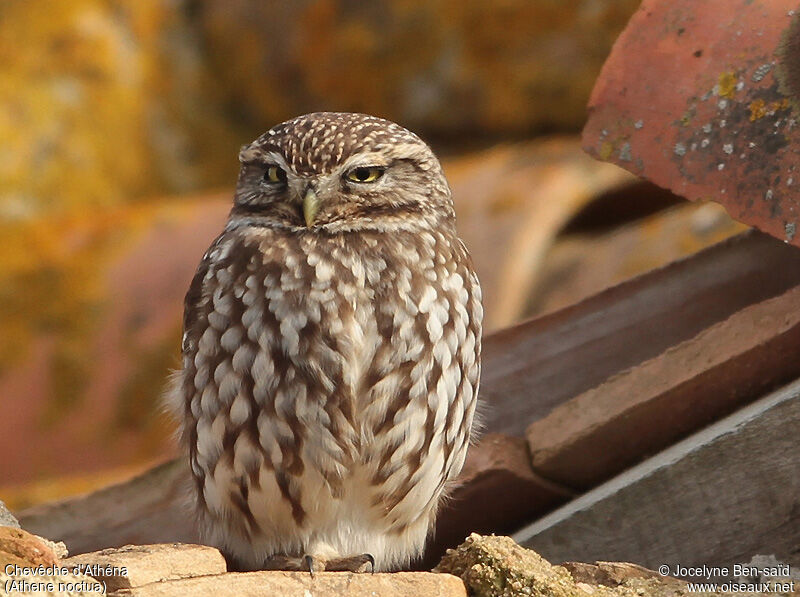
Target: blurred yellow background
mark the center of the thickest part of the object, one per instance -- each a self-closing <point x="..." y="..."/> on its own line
<point x="120" y="122"/>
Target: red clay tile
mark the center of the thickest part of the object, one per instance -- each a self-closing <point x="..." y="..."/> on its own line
<point x="646" y="408"/>
<point x="703" y="98"/>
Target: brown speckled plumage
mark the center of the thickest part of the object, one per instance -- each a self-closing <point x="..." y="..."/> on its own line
<point x="330" y="370"/>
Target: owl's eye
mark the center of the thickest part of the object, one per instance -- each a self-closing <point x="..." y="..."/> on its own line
<point x="275" y="175"/>
<point x="365" y="174"/>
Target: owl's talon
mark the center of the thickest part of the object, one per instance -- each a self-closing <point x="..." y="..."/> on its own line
<point x="352" y="563"/>
<point x="309" y="562"/>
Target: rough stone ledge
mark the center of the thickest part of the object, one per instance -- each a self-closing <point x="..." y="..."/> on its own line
<point x="482" y="566"/>
<point x="498" y="567"/>
<point x="300" y="584"/>
<point x="7" y="519"/>
<point x="19" y="547"/>
<point x="137" y="565"/>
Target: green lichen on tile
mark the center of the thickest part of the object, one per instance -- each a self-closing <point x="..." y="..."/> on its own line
<point x="606" y="149"/>
<point x="493" y="566"/>
<point x="759" y="108"/>
<point x="726" y="84"/>
<point x="498" y="567"/>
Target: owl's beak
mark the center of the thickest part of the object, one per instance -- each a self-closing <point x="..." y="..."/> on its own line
<point x="310" y="206"/>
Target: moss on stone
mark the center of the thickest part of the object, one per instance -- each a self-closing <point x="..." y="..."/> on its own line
<point x="498" y="567"/>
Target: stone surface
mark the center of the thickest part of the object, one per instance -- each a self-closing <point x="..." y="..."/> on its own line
<point x="499" y="567"/>
<point x="136" y="565"/>
<point x="50" y="585"/>
<point x="7" y="519"/>
<point x="612" y="574"/>
<point x="324" y="584"/>
<point x="721" y="494"/>
<point x="768" y="568"/>
<point x="21" y="547"/>
<point x="704" y="99"/>
<point x="57" y="547"/>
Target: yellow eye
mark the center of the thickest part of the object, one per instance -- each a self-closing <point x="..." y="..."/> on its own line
<point x="275" y="175"/>
<point x="365" y="174"/>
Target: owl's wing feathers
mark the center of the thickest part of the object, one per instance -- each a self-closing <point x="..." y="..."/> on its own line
<point x="195" y="303"/>
<point x="423" y="381"/>
<point x="192" y="300"/>
<point x="178" y="392"/>
<point x="240" y="382"/>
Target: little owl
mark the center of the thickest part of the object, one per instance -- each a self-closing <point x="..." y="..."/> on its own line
<point x="331" y="351"/>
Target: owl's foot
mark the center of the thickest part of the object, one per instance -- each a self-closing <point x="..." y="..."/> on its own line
<point x="361" y="563"/>
<point x="306" y="563"/>
<point x="281" y="562"/>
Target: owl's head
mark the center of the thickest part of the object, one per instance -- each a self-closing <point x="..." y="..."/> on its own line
<point x="340" y="172"/>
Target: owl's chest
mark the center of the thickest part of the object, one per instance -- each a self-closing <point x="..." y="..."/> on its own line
<point x="320" y="308"/>
<point x="323" y="311"/>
